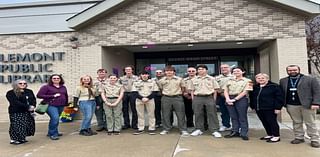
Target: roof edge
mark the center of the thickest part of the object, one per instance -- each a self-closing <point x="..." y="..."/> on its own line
<point x="305" y="7"/>
<point x="46" y="3"/>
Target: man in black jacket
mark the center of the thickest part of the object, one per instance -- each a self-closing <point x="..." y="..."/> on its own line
<point x="302" y="99"/>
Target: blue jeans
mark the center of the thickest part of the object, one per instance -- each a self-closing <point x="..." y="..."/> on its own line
<point x="87" y="108"/>
<point x="54" y="113"/>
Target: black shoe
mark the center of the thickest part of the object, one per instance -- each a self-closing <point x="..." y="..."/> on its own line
<point x="14" y="142"/>
<point x="266" y="138"/>
<point x="85" y="133"/>
<point x="315" y="144"/>
<point x="158" y="125"/>
<point x="152" y="132"/>
<point x="92" y="132"/>
<point x="24" y="141"/>
<point x="109" y="133"/>
<point x="297" y="141"/>
<point x="100" y="129"/>
<point x="232" y="134"/>
<point x="245" y="138"/>
<point x="135" y="127"/>
<point x="60" y="134"/>
<point x="116" y="132"/>
<point x="138" y="132"/>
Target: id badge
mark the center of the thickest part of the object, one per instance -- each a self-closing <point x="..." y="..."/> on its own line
<point x="293" y="89"/>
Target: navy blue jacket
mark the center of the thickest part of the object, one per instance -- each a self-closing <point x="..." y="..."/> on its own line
<point x="269" y="97"/>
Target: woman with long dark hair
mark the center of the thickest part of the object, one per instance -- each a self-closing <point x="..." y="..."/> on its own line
<point x="55" y="94"/>
<point x="22" y="103"/>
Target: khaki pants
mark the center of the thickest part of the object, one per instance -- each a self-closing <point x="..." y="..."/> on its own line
<point x="150" y="105"/>
<point x="113" y="115"/>
<point x="299" y="115"/>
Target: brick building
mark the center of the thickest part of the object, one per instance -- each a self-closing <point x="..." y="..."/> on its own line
<point x="74" y="38"/>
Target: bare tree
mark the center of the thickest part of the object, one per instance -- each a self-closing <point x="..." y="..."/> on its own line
<point x="313" y="42"/>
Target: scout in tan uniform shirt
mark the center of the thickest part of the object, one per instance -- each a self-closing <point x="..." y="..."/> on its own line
<point x="236" y="91"/>
<point x="203" y="90"/>
<point x="100" y="81"/>
<point x="222" y="79"/>
<point x="112" y="97"/>
<point x="128" y="98"/>
<point x="172" y="88"/>
<point x="144" y="91"/>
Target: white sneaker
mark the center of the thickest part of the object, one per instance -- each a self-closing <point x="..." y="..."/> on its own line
<point x="164" y="132"/>
<point x="216" y="134"/>
<point x="184" y="134"/>
<point x="196" y="133"/>
<point x="223" y="128"/>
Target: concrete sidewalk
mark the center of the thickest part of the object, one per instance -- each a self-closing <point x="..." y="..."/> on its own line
<point x="171" y="145"/>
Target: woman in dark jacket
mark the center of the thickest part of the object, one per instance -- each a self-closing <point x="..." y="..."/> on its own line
<point x="267" y="99"/>
<point x="21" y="107"/>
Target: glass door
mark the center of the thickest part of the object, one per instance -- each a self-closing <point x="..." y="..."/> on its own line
<point x="181" y="69"/>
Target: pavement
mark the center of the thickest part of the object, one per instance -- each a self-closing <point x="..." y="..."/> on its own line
<point x="172" y="145"/>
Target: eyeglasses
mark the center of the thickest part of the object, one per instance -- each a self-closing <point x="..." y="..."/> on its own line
<point x="159" y="72"/>
<point x="22" y="83"/>
<point x="56" y="78"/>
<point x="191" y="71"/>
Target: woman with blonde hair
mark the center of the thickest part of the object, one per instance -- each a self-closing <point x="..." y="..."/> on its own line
<point x="85" y="94"/>
<point x="21" y="105"/>
<point x="267" y="100"/>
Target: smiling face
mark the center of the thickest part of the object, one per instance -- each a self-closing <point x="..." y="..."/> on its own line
<point x="128" y="70"/>
<point x="22" y="84"/>
<point x="293" y="71"/>
<point x="225" y="69"/>
<point x="261" y="79"/>
<point x="56" y="79"/>
<point x="237" y="72"/>
<point x="191" y="72"/>
<point x="101" y="74"/>
<point x="86" y="80"/>
<point x="113" y="79"/>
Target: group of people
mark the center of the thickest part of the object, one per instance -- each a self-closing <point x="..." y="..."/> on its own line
<point x="196" y="96"/>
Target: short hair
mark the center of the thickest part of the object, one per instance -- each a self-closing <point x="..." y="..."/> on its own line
<point x="59" y="75"/>
<point x="202" y="66"/>
<point x="101" y="70"/>
<point x="144" y="72"/>
<point x="292" y="65"/>
<point x="169" y="68"/>
<point x="238" y="67"/>
<point x="264" y="75"/>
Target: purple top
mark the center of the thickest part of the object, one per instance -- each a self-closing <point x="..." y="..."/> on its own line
<point x="47" y="93"/>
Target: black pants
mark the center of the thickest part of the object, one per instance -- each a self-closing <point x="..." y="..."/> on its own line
<point x="129" y="100"/>
<point x="269" y="122"/>
<point x="188" y="111"/>
<point x="157" y="110"/>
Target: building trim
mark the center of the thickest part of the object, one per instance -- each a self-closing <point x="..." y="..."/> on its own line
<point x="46" y="3"/>
<point x="85" y="17"/>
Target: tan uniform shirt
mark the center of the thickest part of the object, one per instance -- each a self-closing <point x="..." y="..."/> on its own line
<point x="99" y="83"/>
<point x="204" y="85"/>
<point x="171" y="86"/>
<point x="83" y="94"/>
<point x="188" y="82"/>
<point x="112" y="90"/>
<point x="235" y="87"/>
<point x="223" y="80"/>
<point x="145" y="88"/>
<point x="128" y="81"/>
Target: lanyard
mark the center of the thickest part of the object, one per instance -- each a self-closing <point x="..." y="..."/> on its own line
<point x="293" y="84"/>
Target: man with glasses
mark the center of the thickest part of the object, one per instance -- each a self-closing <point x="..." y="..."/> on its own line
<point x="302" y="99"/>
<point x="128" y="98"/>
<point x="222" y="79"/>
<point x="187" y="96"/>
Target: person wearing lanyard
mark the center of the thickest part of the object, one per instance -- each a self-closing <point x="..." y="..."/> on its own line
<point x="302" y="99"/>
